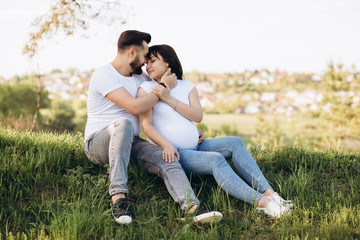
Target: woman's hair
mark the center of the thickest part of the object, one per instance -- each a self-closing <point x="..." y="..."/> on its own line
<point x="169" y="56"/>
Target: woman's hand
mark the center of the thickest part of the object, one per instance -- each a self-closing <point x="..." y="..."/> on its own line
<point x="169" y="152"/>
<point x="201" y="136"/>
<point x="169" y="79"/>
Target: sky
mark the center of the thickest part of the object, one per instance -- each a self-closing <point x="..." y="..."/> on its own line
<point x="209" y="36"/>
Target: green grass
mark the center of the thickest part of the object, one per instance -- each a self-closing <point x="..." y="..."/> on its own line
<point x="49" y="190"/>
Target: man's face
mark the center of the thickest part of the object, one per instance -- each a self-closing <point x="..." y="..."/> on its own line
<point x="140" y="58"/>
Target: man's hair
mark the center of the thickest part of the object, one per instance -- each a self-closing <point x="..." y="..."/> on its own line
<point x="132" y="37"/>
<point x="169" y="56"/>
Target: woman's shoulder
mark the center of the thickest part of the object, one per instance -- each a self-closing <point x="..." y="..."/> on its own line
<point x="148" y="85"/>
<point x="186" y="83"/>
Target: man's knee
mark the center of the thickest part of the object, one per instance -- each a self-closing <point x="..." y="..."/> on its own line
<point x="123" y="126"/>
<point x="168" y="168"/>
<point x="123" y="123"/>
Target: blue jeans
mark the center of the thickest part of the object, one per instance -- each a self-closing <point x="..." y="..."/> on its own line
<point x="210" y="158"/>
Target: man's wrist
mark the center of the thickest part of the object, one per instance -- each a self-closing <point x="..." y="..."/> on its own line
<point x="162" y="84"/>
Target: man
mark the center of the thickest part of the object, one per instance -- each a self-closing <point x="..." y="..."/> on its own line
<point x="112" y="129"/>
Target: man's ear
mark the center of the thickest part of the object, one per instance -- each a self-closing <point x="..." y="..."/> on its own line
<point x="131" y="52"/>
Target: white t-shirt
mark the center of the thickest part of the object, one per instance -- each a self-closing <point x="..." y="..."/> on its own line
<point x="179" y="131"/>
<point x="101" y="111"/>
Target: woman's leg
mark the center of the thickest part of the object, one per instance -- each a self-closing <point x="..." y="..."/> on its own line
<point x="198" y="162"/>
<point x="234" y="147"/>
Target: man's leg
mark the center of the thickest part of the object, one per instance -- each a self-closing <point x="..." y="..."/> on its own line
<point x="176" y="182"/>
<point x="112" y="145"/>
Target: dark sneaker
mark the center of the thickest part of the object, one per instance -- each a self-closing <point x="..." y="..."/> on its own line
<point x="204" y="216"/>
<point x="120" y="211"/>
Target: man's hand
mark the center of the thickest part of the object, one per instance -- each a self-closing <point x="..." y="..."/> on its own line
<point x="161" y="92"/>
<point x="169" y="152"/>
<point x="201" y="136"/>
<point x="169" y="79"/>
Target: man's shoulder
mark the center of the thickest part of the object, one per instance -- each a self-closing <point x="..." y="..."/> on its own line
<point x="106" y="69"/>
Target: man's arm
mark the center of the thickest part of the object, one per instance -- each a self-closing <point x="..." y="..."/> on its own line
<point x="136" y="106"/>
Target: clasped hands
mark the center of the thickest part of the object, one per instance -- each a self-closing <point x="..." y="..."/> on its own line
<point x="170" y="81"/>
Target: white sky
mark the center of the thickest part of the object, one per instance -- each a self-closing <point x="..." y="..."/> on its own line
<point x="209" y="36"/>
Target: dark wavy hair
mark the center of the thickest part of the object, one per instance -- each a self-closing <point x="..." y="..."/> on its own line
<point x="169" y="56"/>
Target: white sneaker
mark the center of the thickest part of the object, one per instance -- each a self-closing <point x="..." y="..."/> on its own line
<point x="125" y="219"/>
<point x="273" y="210"/>
<point x="201" y="215"/>
<point x="208" y="217"/>
<point x="280" y="201"/>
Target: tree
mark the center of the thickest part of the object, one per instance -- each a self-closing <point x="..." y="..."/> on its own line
<point x="18" y="101"/>
<point x="268" y="133"/>
<point x="342" y="117"/>
<point x="60" y="116"/>
<point x="67" y="16"/>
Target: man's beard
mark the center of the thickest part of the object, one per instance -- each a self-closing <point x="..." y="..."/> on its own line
<point x="136" y="66"/>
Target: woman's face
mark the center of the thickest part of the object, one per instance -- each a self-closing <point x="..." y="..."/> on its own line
<point x="156" y="67"/>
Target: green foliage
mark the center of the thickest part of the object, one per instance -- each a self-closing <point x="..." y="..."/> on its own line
<point x="342" y="119"/>
<point x="268" y="134"/>
<point x="49" y="190"/>
<point x="60" y="116"/>
<point x="55" y="71"/>
<point x="19" y="101"/>
<point x="229" y="106"/>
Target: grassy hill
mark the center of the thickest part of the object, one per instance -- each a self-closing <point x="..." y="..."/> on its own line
<point x="48" y="189"/>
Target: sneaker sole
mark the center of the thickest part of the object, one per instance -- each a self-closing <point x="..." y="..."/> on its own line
<point x="211" y="217"/>
<point x="123" y="220"/>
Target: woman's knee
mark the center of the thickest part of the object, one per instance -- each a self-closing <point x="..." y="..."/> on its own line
<point x="218" y="161"/>
<point x="237" y="141"/>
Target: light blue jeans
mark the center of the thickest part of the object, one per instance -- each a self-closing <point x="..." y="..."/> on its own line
<point x="210" y="157"/>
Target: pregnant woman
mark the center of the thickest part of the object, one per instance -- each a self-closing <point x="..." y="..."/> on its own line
<point x="170" y="125"/>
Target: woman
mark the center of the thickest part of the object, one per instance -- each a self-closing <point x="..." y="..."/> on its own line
<point x="170" y="125"/>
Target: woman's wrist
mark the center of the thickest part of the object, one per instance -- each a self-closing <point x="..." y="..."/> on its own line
<point x="169" y="100"/>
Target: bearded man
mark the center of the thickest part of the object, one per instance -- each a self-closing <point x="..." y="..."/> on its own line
<point x="112" y="129"/>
